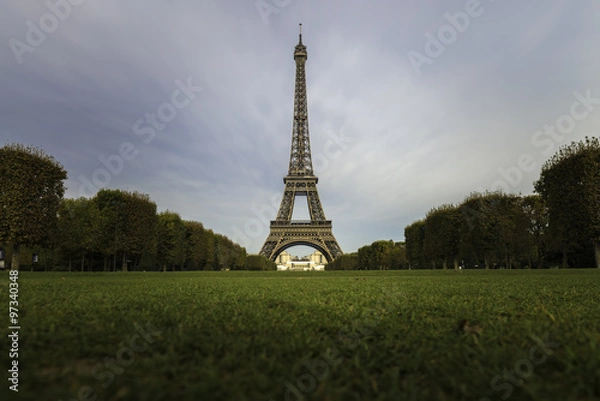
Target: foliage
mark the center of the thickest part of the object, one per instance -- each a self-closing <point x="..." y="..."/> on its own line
<point x="128" y="224"/>
<point x="259" y="262"/>
<point x="414" y="236"/>
<point x="194" y="233"/>
<point x="347" y="261"/>
<point x="536" y="213"/>
<point x="365" y="255"/>
<point x="570" y="185"/>
<point x="441" y="235"/>
<point x="31" y="187"/>
<point x="78" y="228"/>
<point x="122" y="228"/>
<point x="382" y="255"/>
<point x="171" y="241"/>
<point x="495" y="229"/>
<point x="490" y="229"/>
<point x="228" y="254"/>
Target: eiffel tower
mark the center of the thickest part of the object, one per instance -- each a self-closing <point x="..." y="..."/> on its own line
<point x="300" y="181"/>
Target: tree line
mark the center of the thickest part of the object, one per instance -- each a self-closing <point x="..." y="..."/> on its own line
<point x="119" y="230"/>
<point x="114" y="230"/>
<point x="380" y="255"/>
<point x="485" y="230"/>
<point x="559" y="225"/>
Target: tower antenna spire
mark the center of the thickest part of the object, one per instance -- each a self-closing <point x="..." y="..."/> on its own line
<point x="300" y="32"/>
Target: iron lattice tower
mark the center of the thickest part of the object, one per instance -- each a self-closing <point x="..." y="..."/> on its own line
<point x="300" y="181"/>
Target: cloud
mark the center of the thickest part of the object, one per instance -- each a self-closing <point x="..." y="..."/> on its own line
<point x="408" y="143"/>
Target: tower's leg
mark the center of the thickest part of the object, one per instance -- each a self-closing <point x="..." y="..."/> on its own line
<point x="314" y="203"/>
<point x="287" y="204"/>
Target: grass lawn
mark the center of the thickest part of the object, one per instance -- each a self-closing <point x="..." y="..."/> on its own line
<point x="530" y="335"/>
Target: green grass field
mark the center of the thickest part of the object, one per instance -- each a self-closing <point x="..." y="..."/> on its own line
<point x="315" y="335"/>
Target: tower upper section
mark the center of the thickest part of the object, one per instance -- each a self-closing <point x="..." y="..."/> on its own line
<point x="300" y="157"/>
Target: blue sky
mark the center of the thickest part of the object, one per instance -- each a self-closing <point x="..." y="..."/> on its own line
<point x="412" y="104"/>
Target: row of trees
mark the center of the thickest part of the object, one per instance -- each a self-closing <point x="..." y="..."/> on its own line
<point x="124" y="228"/>
<point x="347" y="261"/>
<point x="114" y="230"/>
<point x="570" y="186"/>
<point x="119" y="230"/>
<point x="558" y="225"/>
<point x="31" y="188"/>
<point x="380" y="255"/>
<point x="487" y="230"/>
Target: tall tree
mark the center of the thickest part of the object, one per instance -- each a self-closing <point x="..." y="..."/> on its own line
<point x="259" y="262"/>
<point x="78" y="225"/>
<point x="207" y="250"/>
<point x="441" y="237"/>
<point x="570" y="185"/>
<point x="128" y="221"/>
<point x="172" y="245"/>
<point x="239" y="256"/>
<point x="110" y="205"/>
<point x="195" y="239"/>
<point x="381" y="254"/>
<point x="221" y="251"/>
<point x="398" y="256"/>
<point x="477" y="235"/>
<point x="347" y="261"/>
<point x="495" y="229"/>
<point x="365" y="257"/>
<point x="30" y="193"/>
<point x="512" y="230"/>
<point x="413" y="236"/>
<point x="536" y="211"/>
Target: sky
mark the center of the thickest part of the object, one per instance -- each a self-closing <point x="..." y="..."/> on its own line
<point x="412" y="104"/>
